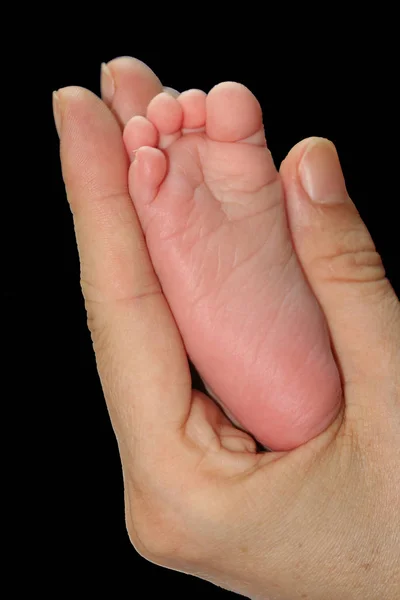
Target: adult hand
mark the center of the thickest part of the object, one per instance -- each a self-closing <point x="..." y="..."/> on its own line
<point x="321" y="521"/>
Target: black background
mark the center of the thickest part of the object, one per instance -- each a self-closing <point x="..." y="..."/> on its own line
<point x="305" y="91"/>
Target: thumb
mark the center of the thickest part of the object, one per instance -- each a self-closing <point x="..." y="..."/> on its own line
<point x="342" y="265"/>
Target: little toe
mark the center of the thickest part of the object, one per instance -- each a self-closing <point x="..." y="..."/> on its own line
<point x="139" y="132"/>
<point x="146" y="174"/>
<point x="166" y="114"/>
<point x="234" y="115"/>
<point x="193" y="103"/>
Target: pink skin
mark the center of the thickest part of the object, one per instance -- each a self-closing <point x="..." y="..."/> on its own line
<point x="211" y="205"/>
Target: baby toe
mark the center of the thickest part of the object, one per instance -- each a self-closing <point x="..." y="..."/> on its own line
<point x="139" y="132"/>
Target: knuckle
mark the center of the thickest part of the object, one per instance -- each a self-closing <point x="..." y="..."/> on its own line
<point x="96" y="325"/>
<point x="156" y="512"/>
<point x="352" y="258"/>
<point x="154" y="535"/>
<point x="170" y="523"/>
<point x="99" y="329"/>
<point x="91" y="292"/>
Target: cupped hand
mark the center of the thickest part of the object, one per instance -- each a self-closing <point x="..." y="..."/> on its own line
<point x="321" y="521"/>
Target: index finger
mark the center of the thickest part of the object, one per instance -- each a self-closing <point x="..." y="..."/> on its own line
<point x="140" y="356"/>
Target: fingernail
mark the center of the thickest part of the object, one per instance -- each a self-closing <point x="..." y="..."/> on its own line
<point x="107" y="85"/>
<point x="57" y="112"/>
<point x="321" y="174"/>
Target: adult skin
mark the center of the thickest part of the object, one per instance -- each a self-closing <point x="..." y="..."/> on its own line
<point x="321" y="521"/>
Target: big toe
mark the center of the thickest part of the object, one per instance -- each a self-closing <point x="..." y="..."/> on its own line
<point x="234" y="114"/>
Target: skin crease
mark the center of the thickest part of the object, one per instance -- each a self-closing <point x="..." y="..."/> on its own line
<point x="321" y="521"/>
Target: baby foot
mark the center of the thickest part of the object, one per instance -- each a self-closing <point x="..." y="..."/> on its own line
<point x="211" y="205"/>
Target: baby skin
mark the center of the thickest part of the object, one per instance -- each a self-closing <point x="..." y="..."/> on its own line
<point x="212" y="208"/>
